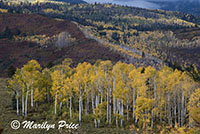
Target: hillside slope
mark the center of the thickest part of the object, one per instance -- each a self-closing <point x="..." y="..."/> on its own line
<point x="186" y="6"/>
<point x="16" y="53"/>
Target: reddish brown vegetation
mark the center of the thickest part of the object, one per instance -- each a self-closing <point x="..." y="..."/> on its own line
<point x="37" y="24"/>
<point x="18" y="53"/>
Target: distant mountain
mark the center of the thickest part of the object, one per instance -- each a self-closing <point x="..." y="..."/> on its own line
<point x="191" y="7"/>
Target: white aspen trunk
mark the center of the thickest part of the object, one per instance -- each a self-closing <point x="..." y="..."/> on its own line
<point x="155" y="97"/>
<point x="114" y="105"/>
<point x="93" y="103"/>
<point x="55" y="109"/>
<point x="32" y="97"/>
<point x="60" y="107"/>
<point x="168" y="109"/>
<point x="17" y="101"/>
<point x="182" y="109"/>
<point x="127" y="109"/>
<point x="185" y="108"/>
<point x="117" y="112"/>
<point x="87" y="101"/>
<point x="17" y="106"/>
<point x="179" y="111"/>
<point x="114" y="100"/>
<point x="70" y="107"/>
<point x="175" y="121"/>
<point x="152" y="118"/>
<point x="110" y="112"/>
<point x="133" y="104"/>
<point x="97" y="103"/>
<point x="23" y="102"/>
<point x="101" y="95"/>
<point x="87" y="104"/>
<point x="26" y="102"/>
<point x="80" y="108"/>
<point x="122" y="113"/>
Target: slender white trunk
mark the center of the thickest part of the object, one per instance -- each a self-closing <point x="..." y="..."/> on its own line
<point x="32" y="97"/>
<point x="70" y="107"/>
<point x="155" y="96"/>
<point x="93" y="103"/>
<point x="26" y="102"/>
<point x="97" y="103"/>
<point x="117" y="112"/>
<point x="182" y="109"/>
<point x="17" y="102"/>
<point x="80" y="107"/>
<point x="55" y="110"/>
<point x="87" y="103"/>
<point x="101" y="95"/>
<point x="179" y="111"/>
<point x="122" y="112"/>
<point x="110" y="112"/>
<point x="152" y="118"/>
<point x="175" y="110"/>
<point x="133" y="104"/>
<point x="23" y="102"/>
<point x="114" y="100"/>
<point x="60" y="107"/>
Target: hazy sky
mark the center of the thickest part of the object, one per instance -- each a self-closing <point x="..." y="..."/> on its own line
<point x="136" y="3"/>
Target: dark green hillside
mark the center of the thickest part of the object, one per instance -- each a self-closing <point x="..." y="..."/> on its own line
<point x="186" y="6"/>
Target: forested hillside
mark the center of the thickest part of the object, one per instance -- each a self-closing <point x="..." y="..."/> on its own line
<point x="153" y="32"/>
<point x="187" y="6"/>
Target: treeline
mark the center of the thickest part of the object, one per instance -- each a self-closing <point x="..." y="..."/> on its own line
<point x="109" y="94"/>
<point x="107" y="13"/>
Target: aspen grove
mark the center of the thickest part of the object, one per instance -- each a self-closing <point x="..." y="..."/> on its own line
<point x="119" y="94"/>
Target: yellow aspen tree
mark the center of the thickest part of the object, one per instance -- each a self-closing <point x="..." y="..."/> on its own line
<point x="30" y="73"/>
<point x="80" y="81"/>
<point x="16" y="85"/>
<point x="151" y="74"/>
<point x="57" y="86"/>
<point x="194" y="108"/>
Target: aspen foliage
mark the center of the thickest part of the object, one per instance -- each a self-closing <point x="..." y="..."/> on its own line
<point x="117" y="94"/>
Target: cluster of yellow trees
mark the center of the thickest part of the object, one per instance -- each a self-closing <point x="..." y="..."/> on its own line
<point x="111" y="94"/>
